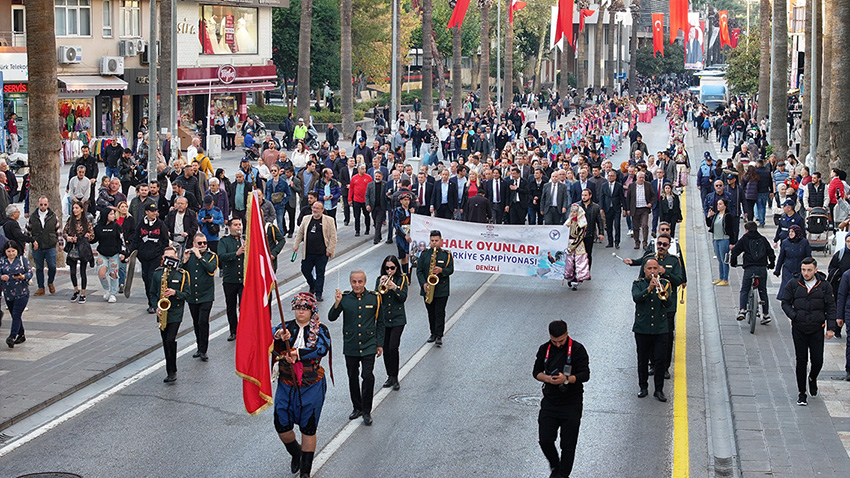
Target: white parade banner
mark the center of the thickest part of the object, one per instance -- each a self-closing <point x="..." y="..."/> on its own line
<point x="534" y="251"/>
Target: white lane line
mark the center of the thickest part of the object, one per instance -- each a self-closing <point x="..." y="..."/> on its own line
<point x="340" y="438"/>
<point x="82" y="407"/>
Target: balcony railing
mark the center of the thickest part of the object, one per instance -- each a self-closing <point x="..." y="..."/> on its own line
<point x="17" y="39"/>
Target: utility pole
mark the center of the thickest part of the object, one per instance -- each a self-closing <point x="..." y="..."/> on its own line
<point x="394" y="71"/>
<point x="499" y="55"/>
<point x="153" y="130"/>
<point x="815" y="90"/>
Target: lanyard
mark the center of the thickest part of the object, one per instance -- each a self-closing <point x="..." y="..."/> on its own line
<point x="569" y="349"/>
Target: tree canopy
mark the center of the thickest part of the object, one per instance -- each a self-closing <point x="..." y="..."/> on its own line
<point x="324" y="42"/>
<point x="742" y="72"/>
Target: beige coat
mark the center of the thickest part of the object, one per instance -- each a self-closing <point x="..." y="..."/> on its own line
<point x="328" y="230"/>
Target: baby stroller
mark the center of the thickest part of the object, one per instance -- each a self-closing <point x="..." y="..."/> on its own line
<point x="819" y="229"/>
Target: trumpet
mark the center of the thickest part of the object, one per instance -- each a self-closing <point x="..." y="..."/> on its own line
<point x="659" y="289"/>
<point x="383" y="288"/>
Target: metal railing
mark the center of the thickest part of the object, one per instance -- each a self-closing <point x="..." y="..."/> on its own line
<point x="16" y="39"/>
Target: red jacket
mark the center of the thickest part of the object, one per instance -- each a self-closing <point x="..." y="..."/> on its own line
<point x="836" y="190"/>
<point x="357" y="187"/>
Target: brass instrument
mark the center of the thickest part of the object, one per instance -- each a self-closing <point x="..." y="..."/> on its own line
<point x="163" y="304"/>
<point x="433" y="279"/>
<point x="659" y="289"/>
<point x="383" y="288"/>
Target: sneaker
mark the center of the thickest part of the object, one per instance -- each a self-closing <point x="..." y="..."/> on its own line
<point x="106" y="295"/>
<point x="82" y="300"/>
<point x="813" y="386"/>
<point x="716" y="281"/>
<point x="121" y="289"/>
<point x="75" y="297"/>
<point x="630" y="233"/>
<point x="723" y="283"/>
<point x="742" y="314"/>
<point x="766" y="320"/>
<point x="801" y="400"/>
<point x="112" y="299"/>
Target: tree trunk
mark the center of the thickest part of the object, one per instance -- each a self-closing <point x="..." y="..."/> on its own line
<point x="839" y="117"/>
<point x="457" y="78"/>
<point x="633" y="55"/>
<point x="427" y="70"/>
<point x="598" y="54"/>
<point x="439" y="63"/>
<point x="764" y="60"/>
<point x="538" y="70"/>
<point x="165" y="60"/>
<point x="484" y="65"/>
<point x="807" y="85"/>
<point x="582" y="42"/>
<point x="564" y="78"/>
<point x="610" y="66"/>
<point x="508" y="84"/>
<point x="779" y="102"/>
<point x="304" y="32"/>
<point x="825" y="89"/>
<point x="345" y="73"/>
<point x="43" y="147"/>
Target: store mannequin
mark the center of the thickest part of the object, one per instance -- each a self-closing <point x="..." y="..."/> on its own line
<point x="244" y="40"/>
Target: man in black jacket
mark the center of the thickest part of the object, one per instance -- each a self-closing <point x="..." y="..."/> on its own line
<point x="758" y="257"/>
<point x="182" y="222"/>
<point x="496" y="192"/>
<point x="113" y="152"/>
<point x="808" y="302"/>
<point x="611" y="203"/>
<point x="149" y="242"/>
<point x="517" y="197"/>
<point x="45" y="229"/>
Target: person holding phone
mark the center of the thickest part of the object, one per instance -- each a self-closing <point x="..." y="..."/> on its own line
<point x="563" y="366"/>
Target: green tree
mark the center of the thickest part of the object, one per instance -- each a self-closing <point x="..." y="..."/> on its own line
<point x="673" y="60"/>
<point x="324" y="42"/>
<point x="742" y="74"/>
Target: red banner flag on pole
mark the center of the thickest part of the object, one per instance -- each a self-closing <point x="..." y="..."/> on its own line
<point x="736" y="32"/>
<point x="254" y="340"/>
<point x="458" y="13"/>
<point x="724" y="28"/>
<point x="584" y="14"/>
<point x="678" y="18"/>
<point x="657" y="33"/>
<point x="515" y="7"/>
<point x="564" y="27"/>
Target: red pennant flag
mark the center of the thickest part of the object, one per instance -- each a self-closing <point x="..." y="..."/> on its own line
<point x="254" y="339"/>
<point x="724" y="29"/>
<point x="458" y="13"/>
<point x="678" y="18"/>
<point x="584" y="13"/>
<point x="564" y="27"/>
<point x="515" y="7"/>
<point x="657" y="34"/>
<point x="736" y="32"/>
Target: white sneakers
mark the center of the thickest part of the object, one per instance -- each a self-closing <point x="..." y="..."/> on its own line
<point x="112" y="299"/>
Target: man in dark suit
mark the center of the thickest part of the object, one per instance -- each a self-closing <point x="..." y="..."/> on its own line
<point x="182" y="222"/>
<point x="555" y="200"/>
<point x="594" y="224"/>
<point x="517" y="198"/>
<point x="478" y="208"/>
<point x="640" y="198"/>
<point x="658" y="190"/>
<point x="344" y="178"/>
<point x="583" y="182"/>
<point x="444" y="197"/>
<point x="496" y="192"/>
<point x="422" y="190"/>
<point x="178" y="191"/>
<point x="535" y="191"/>
<point x="611" y="203"/>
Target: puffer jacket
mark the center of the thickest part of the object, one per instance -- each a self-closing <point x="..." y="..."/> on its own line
<point x="809" y="310"/>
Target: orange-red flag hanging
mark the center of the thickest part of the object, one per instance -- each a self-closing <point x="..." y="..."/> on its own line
<point x="254" y="340"/>
<point x="736" y="32"/>
<point x="515" y="7"/>
<point x="657" y="33"/>
<point x="458" y="13"/>
<point x="678" y="18"/>
<point x="724" y="29"/>
<point x="564" y="27"/>
<point x="584" y="14"/>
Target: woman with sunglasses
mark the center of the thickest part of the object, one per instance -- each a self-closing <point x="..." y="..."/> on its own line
<point x="392" y="301"/>
<point x="201" y="264"/>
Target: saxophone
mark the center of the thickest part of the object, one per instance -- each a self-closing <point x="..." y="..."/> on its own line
<point x="433" y="279"/>
<point x="163" y="304"/>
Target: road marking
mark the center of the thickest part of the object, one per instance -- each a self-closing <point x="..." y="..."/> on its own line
<point x="681" y="453"/>
<point x="340" y="438"/>
<point x="87" y="404"/>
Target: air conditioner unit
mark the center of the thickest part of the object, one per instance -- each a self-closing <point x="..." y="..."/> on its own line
<point x="70" y="54"/>
<point x="144" y="58"/>
<point x="141" y="45"/>
<point x="112" y="65"/>
<point x="128" y="48"/>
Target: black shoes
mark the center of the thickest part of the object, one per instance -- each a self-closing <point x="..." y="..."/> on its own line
<point x="643" y="392"/>
<point x="431" y="339"/>
<point x="10" y="342"/>
<point x="204" y="357"/>
<point x="75" y="297"/>
<point x="367" y="419"/>
<point x="319" y="298"/>
<point x="609" y="246"/>
<point x="847" y="376"/>
<point x="171" y="378"/>
<point x="356" y="234"/>
<point x="376" y="242"/>
<point x="659" y="395"/>
<point x="396" y="385"/>
<point x="813" y="386"/>
<point x="231" y="338"/>
<point x="151" y="310"/>
<point x="392" y="382"/>
<point x="801" y="400"/>
<point x="667" y="375"/>
<point x="389" y="241"/>
<point x="438" y="342"/>
<point x="196" y="354"/>
<point x="355" y="414"/>
<point x="294" y="450"/>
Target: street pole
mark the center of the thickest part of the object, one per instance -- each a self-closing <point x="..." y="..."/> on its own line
<point x="499" y="56"/>
<point x="153" y="130"/>
<point x="748" y="23"/>
<point x="813" y="94"/>
<point x="172" y="121"/>
<point x="772" y="71"/>
<point x="394" y="70"/>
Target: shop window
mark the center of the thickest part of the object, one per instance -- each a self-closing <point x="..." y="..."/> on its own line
<point x="107" y="18"/>
<point x="226" y="30"/>
<point x="72" y="18"/>
<point x="131" y="19"/>
<point x="109" y="118"/>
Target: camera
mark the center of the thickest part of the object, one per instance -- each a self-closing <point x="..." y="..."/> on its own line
<point x="172" y="262"/>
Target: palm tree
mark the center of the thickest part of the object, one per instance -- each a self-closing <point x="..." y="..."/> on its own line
<point x="764" y="61"/>
<point x="839" y="116"/>
<point x="563" y="84"/>
<point x="508" y="86"/>
<point x="779" y="93"/>
<point x="599" y="56"/>
<point x="484" y="65"/>
<point x="826" y="82"/>
<point x="43" y="96"/>
<point x="304" y="32"/>
<point x="345" y="73"/>
<point x="427" y="75"/>
<point x="635" y="11"/>
<point x="582" y="41"/>
<point x="807" y="84"/>
<point x="615" y="6"/>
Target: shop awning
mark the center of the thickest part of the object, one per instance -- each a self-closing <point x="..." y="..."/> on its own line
<point x="84" y="83"/>
<point x="231" y="88"/>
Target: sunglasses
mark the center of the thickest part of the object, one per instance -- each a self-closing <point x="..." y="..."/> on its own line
<point x="390" y="268"/>
<point x="202" y="243"/>
<point x="42" y="204"/>
<point x="665" y="244"/>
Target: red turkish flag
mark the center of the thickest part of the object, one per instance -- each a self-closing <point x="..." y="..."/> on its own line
<point x="458" y="13"/>
<point x="657" y="33"/>
<point x="515" y="7"/>
<point x="678" y="18"/>
<point x="254" y="340"/>
<point x="564" y="27"/>
<point x="724" y="28"/>
<point x="736" y="32"/>
<point x="584" y="13"/>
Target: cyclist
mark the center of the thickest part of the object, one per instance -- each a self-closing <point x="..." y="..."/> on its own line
<point x="758" y="257"/>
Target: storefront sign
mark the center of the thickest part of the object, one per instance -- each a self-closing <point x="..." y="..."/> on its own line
<point x="227" y="74"/>
<point x="15" y="88"/>
<point x="249" y="3"/>
<point x="186" y="27"/>
<point x="14" y="66"/>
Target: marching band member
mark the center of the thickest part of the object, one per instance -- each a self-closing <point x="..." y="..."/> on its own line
<point x="442" y="268"/>
<point x="175" y="290"/>
<point x="201" y="264"/>
<point x="392" y="284"/>
<point x="652" y="296"/>
<point x="231" y="253"/>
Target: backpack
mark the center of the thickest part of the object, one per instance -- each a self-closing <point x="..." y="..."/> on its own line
<point x="758" y="249"/>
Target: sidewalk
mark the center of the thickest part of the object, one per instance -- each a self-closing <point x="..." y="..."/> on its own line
<point x="72" y="345"/>
<point x="774" y="436"/>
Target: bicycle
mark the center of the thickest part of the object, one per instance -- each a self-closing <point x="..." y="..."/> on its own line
<point x="753" y="312"/>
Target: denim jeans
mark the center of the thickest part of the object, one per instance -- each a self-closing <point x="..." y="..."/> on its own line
<point x="281" y="222"/>
<point x="41" y="256"/>
<point x="721" y="248"/>
<point x="16" y="308"/>
<point x="111" y="172"/>
<point x="761" y="206"/>
<point x="122" y="273"/>
<point x="110" y="280"/>
<point x="746" y="283"/>
<point x="724" y="143"/>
